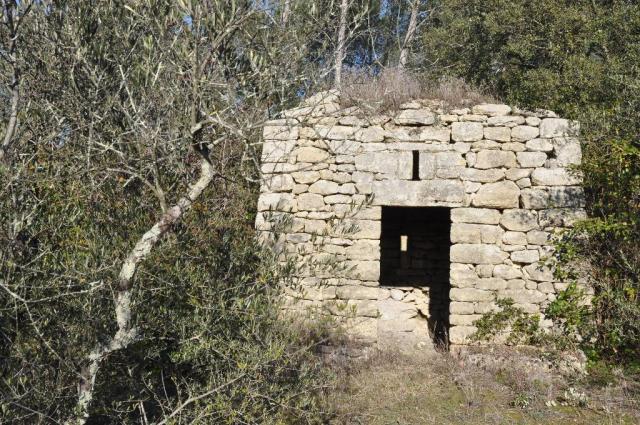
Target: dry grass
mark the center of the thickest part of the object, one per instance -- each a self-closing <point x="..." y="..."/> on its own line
<point x="392" y="87"/>
<point x="392" y="388"/>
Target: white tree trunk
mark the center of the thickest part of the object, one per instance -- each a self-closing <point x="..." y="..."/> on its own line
<point x="286" y="11"/>
<point x="342" y="28"/>
<point x="127" y="333"/>
<point x="408" y="38"/>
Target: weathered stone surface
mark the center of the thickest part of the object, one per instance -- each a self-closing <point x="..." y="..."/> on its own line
<point x="482" y="176"/>
<point x="394" y="164"/>
<point x="477" y="254"/>
<point x="276" y="202"/>
<point x="475" y="215"/>
<point x="561" y="217"/>
<point x="538" y="272"/>
<point x="492" y="159"/>
<point x="311" y="154"/>
<point x="310" y="202"/>
<point x="525" y="256"/>
<point x="538" y="237"/>
<point x="504" y="271"/>
<point x="557" y="127"/>
<point x="503" y="194"/>
<point x="324" y="187"/>
<point x="562" y="196"/>
<point x="466" y="131"/>
<point x="539" y="145"/>
<point x="475" y="233"/>
<point x="531" y="159"/>
<point x="457" y="307"/>
<point x="335" y="132"/>
<point x="499" y="134"/>
<point x="554" y="177"/>
<point x="353" y="292"/>
<point x="523" y="296"/>
<point x="507" y="121"/>
<point x="522" y="133"/>
<point x="491" y="109"/>
<point x="535" y="199"/>
<point x="470" y="294"/>
<point x="277" y="151"/>
<point x="278" y="183"/>
<point x="515" y="238"/>
<point x="520" y="220"/>
<point x="567" y="151"/>
<point x="280" y="132"/>
<point x="364" y="250"/>
<point x="415" y="117"/>
<point x="370" y="134"/>
<point x="418" y="193"/>
<point x="491" y="284"/>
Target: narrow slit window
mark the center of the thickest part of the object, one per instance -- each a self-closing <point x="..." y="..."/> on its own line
<point x="415" y="174"/>
<point x="404" y="243"/>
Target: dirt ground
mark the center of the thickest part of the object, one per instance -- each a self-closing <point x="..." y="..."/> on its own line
<point x="495" y="387"/>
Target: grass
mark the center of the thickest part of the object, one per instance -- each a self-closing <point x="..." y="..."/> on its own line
<point x="390" y="88"/>
<point x="394" y="388"/>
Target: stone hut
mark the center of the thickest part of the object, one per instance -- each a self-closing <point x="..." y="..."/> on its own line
<point x="423" y="217"/>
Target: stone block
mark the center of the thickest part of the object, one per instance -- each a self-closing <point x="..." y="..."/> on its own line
<point x="499" y="134"/>
<point x="567" y="151"/>
<point x="526" y="256"/>
<point x="520" y="220"/>
<point x="537" y="237"/>
<point x="554" y="177"/>
<point x="482" y="176"/>
<point x="280" y="132"/>
<point x="466" y="131"/>
<point x="562" y="197"/>
<point x="277" y="150"/>
<point x="355" y="292"/>
<point x="344" y="147"/>
<point x="363" y="270"/>
<point x="470" y="294"/>
<point x="505" y="271"/>
<point x="491" y="284"/>
<point x="558" y="127"/>
<point x="457" y="307"/>
<point x="310" y="202"/>
<point x="335" y="132"/>
<point x="393" y="164"/>
<point x="506" y="121"/>
<point x="492" y="159"/>
<point x="539" y="145"/>
<point x="477" y="254"/>
<point x="370" y="134"/>
<point x="561" y="217"/>
<point x="531" y="159"/>
<point x="491" y="109"/>
<point x="503" y="194"/>
<point x="276" y="202"/>
<point x="415" y="117"/>
<point x="324" y="187"/>
<point x="364" y="250"/>
<point x="538" y="272"/>
<point x="523" y="296"/>
<point x="418" y="193"/>
<point x="515" y="238"/>
<point x="534" y="198"/>
<point x="522" y="133"/>
<point x="475" y="215"/>
<point x="311" y="154"/>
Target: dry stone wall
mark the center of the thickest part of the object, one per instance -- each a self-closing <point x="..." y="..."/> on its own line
<point x="505" y="174"/>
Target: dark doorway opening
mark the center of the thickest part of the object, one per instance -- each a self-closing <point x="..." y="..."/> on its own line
<point x="414" y="248"/>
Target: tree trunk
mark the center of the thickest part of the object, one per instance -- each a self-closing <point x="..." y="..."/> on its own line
<point x="408" y="38"/>
<point x="342" y="28"/>
<point x="286" y="11"/>
<point x="127" y="333"/>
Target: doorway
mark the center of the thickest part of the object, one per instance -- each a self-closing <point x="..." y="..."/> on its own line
<point x="414" y="253"/>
